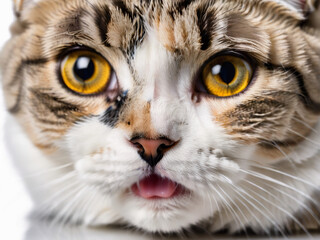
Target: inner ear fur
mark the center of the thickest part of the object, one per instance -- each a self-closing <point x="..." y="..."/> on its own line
<point x="18" y="5"/>
<point x="21" y="5"/>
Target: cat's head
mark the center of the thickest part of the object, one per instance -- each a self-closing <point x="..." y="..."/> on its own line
<point x="163" y="114"/>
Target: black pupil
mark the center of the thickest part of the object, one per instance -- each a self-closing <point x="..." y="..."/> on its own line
<point x="227" y="72"/>
<point x="84" y="68"/>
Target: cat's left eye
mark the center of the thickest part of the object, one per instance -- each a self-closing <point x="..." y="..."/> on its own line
<point x="85" y="72"/>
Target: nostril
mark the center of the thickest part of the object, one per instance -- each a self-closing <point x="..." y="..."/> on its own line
<point x="139" y="146"/>
<point x="164" y="147"/>
<point x="152" y="150"/>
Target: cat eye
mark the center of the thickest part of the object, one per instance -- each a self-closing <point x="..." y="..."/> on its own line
<point x="226" y="75"/>
<point x="85" y="72"/>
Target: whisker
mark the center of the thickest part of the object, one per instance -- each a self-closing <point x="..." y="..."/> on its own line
<point x="305" y="124"/>
<point x="302" y="204"/>
<point x="278" y="207"/>
<point x="234" y="214"/>
<point x="236" y="189"/>
<point x="286" y="156"/>
<point x="60" y="206"/>
<point x="54" y="169"/>
<point x="274" y="223"/>
<point x="54" y="182"/>
<point x="56" y="195"/>
<point x="267" y="178"/>
<point x="68" y="210"/>
<point x="241" y="212"/>
<point x="304" y="137"/>
<point x="287" y="175"/>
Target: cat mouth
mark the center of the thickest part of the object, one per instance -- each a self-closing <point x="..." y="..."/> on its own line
<point x="157" y="187"/>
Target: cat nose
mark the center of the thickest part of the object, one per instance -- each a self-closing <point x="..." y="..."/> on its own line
<point x="152" y="150"/>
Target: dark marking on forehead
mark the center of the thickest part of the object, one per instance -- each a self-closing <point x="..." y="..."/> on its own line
<point x="138" y="33"/>
<point x="182" y="5"/>
<point x="127" y="40"/>
<point x="72" y="23"/>
<point x="206" y="25"/>
<point x="179" y="7"/>
<point x="112" y="114"/>
<point x="102" y="18"/>
<point x="239" y="27"/>
<point x="304" y="95"/>
<point x="123" y="8"/>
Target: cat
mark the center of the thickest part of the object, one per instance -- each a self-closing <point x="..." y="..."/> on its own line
<point x="164" y="115"/>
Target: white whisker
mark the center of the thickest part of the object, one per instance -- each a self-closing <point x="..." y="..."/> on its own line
<point x="238" y="191"/>
<point x="304" y="137"/>
<point x="267" y="178"/>
<point x="50" y="170"/>
<point x="232" y="211"/>
<point x="288" y="175"/>
<point x="291" y="216"/>
<point x="237" y="207"/>
<point x="302" y="204"/>
<point x="305" y="124"/>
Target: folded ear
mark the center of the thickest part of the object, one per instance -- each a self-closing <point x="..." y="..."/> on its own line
<point x="301" y="6"/>
<point x="20" y="5"/>
<point x="309" y="5"/>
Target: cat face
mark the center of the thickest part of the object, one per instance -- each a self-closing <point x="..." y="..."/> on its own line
<point x="163" y="115"/>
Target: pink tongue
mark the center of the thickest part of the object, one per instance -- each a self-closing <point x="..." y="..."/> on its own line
<point x="155" y="186"/>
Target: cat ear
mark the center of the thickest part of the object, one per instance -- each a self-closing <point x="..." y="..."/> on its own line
<point x="301" y="6"/>
<point x="17" y="5"/>
<point x="21" y="5"/>
<point x="308" y="6"/>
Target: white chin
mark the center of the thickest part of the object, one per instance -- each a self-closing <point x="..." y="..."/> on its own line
<point x="163" y="215"/>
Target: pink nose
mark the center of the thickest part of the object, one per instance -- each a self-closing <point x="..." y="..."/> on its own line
<point x="152" y="150"/>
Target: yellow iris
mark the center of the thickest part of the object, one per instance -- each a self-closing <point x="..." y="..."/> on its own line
<point x="85" y="72"/>
<point x="227" y="75"/>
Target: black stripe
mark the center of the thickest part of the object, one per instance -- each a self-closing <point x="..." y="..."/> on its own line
<point x="182" y="5"/>
<point x="136" y="18"/>
<point x="206" y="26"/>
<point x="178" y="7"/>
<point x="44" y="101"/>
<point x="102" y="19"/>
<point x="46" y="121"/>
<point x="18" y="78"/>
<point x="137" y="37"/>
<point x="275" y="145"/>
<point x="305" y="98"/>
<point x="36" y="61"/>
<point x="123" y="8"/>
<point x="111" y="115"/>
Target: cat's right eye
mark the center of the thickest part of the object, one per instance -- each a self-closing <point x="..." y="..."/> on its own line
<point x="85" y="72"/>
<point x="227" y="75"/>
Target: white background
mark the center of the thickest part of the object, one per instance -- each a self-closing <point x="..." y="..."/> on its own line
<point x="14" y="201"/>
